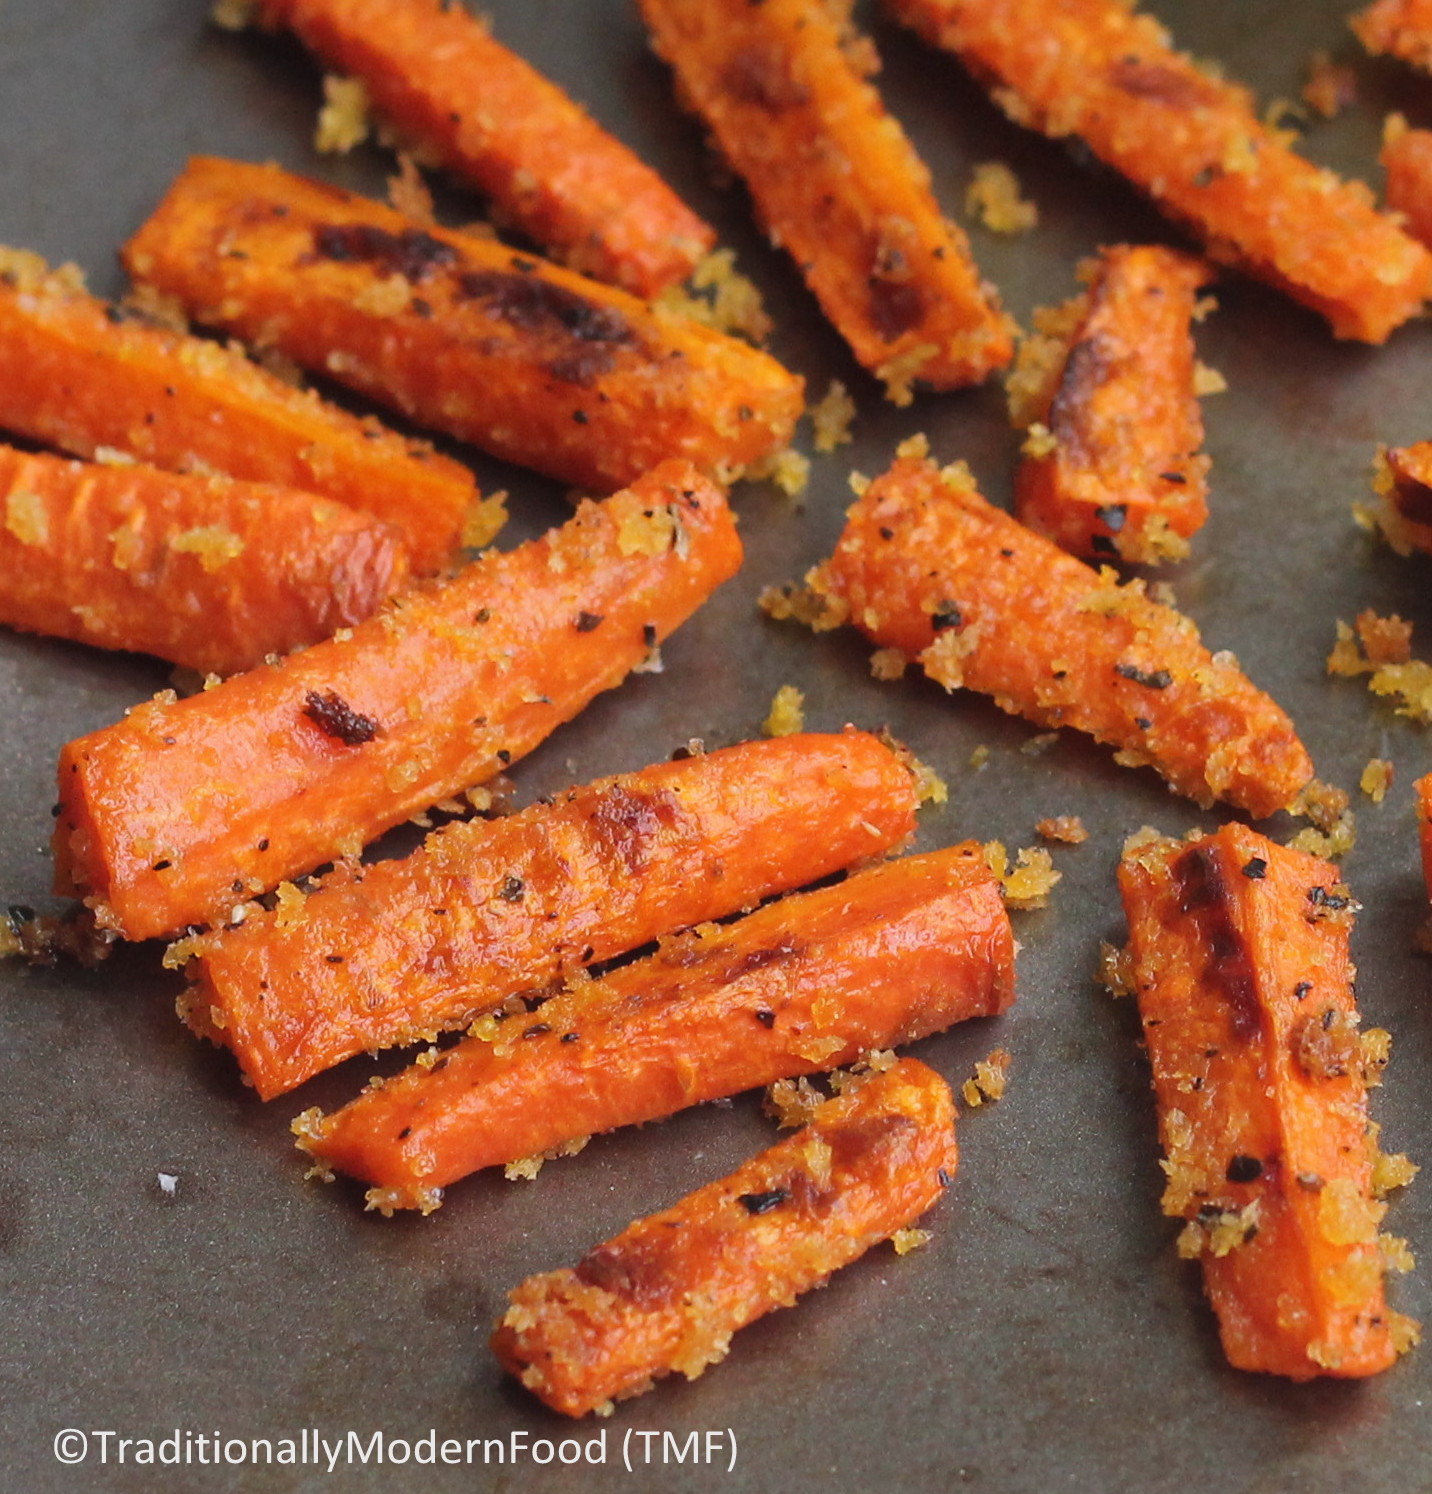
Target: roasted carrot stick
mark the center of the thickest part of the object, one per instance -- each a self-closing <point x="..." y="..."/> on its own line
<point x="1423" y="787"/>
<point x="668" y="1292"/>
<point x="925" y="565"/>
<point x="837" y="184"/>
<point x="896" y="952"/>
<point x="1111" y="465"/>
<point x="1406" y="158"/>
<point x="484" y="911"/>
<point x="1397" y="28"/>
<point x="1240" y="952"/>
<point x="203" y="571"/>
<point x="1402" y="478"/>
<point x="530" y="361"/>
<point x="181" y="811"/>
<point x="82" y="375"/>
<point x="1097" y="69"/>
<point x="433" y="71"/>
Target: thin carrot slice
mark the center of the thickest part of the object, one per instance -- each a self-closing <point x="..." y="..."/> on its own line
<point x="1194" y="143"/>
<point x="433" y="71"/>
<point x="669" y="1291"/>
<point x="837" y="184"/>
<point x="203" y="571"/>
<point x="182" y="811"/>
<point x="535" y="363"/>
<point x="1397" y="28"/>
<point x="898" y="951"/>
<point x="1111" y="465"/>
<point x="1240" y="952"/>
<point x="1402" y="479"/>
<point x="82" y="375"/>
<point x="1406" y="157"/>
<point x="484" y="911"/>
<point x="926" y="566"/>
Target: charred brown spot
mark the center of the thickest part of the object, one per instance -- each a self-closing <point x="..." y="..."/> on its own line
<point x="412" y="253"/>
<point x="335" y="718"/>
<point x="1090" y="365"/>
<point x="635" y="1269"/>
<point x="628" y="826"/>
<point x="1412" y="496"/>
<point x="752" y="960"/>
<point x="763" y="1203"/>
<point x="896" y="306"/>
<point x="1205" y="897"/>
<point x="1161" y="84"/>
<point x="1325" y="1045"/>
<point x="760" y="75"/>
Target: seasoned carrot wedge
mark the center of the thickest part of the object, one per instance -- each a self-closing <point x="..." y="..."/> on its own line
<point x="1111" y="465"/>
<point x="1397" y="28"/>
<point x="1402" y="478"/>
<point x="1406" y="158"/>
<point x="203" y="571"/>
<point x="927" y="566"/>
<point x="896" y="952"/>
<point x="484" y="911"/>
<point x="82" y="375"/>
<point x="1194" y="143"/>
<point x="536" y="364"/>
<point x="432" y="71"/>
<point x="1240" y="954"/>
<point x="1424" y="827"/>
<point x="669" y="1291"/>
<point x="180" y="812"/>
<point x="837" y="184"/>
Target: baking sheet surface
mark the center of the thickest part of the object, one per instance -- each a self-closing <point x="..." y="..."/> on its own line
<point x="1048" y="1338"/>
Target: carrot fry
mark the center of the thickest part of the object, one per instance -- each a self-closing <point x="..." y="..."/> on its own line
<point x="203" y="571"/>
<point x="1240" y="951"/>
<point x="1402" y="479"/>
<point x="178" y="813"/>
<point x="1397" y="28"/>
<point x="899" y="951"/>
<point x="1111" y="465"/>
<point x="82" y="375"/>
<point x="433" y="71"/>
<point x="837" y="184"/>
<point x="484" y="911"/>
<point x="928" y="567"/>
<point x="1096" y="69"/>
<point x="533" y="362"/>
<point x="1406" y="158"/>
<point x="669" y="1291"/>
<point x="1423" y="788"/>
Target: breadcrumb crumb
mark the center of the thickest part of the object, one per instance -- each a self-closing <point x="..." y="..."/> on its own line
<point x="787" y="713"/>
<point x="906" y="1240"/>
<point x="994" y="198"/>
<point x="343" y="119"/>
<point x="1376" y="779"/>
<point x="484" y="520"/>
<point x="831" y="416"/>
<point x="990" y="1079"/>
<point x="1027" y="883"/>
<point x="1330" y="87"/>
<point x="719" y="296"/>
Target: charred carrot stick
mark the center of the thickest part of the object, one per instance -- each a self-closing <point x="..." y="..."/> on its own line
<point x="435" y="73"/>
<point x="1402" y="478"/>
<point x="1097" y="69"/>
<point x="837" y="184"/>
<point x="1406" y="159"/>
<point x="1397" y="28"/>
<point x="484" y="911"/>
<point x="668" y="1292"/>
<point x="203" y="571"/>
<point x="533" y="362"/>
<point x="1111" y="464"/>
<point x="83" y="375"/>
<point x="181" y="811"/>
<point x="1240" y="952"/>
<point x="898" y="951"/>
<point x="926" y="566"/>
